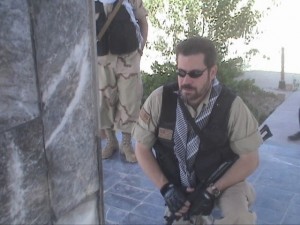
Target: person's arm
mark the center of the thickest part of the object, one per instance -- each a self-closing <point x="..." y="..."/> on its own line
<point x="151" y="168"/>
<point x="244" y="141"/>
<point x="149" y="165"/>
<point x="239" y="171"/>
<point x="143" y="23"/>
<point x="144" y="133"/>
<point x="141" y="17"/>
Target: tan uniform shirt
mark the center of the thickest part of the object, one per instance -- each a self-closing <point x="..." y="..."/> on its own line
<point x="242" y="126"/>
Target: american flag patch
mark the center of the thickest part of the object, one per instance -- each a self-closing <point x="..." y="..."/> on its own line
<point x="165" y="133"/>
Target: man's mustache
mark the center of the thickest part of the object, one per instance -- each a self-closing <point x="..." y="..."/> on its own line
<point x="187" y="86"/>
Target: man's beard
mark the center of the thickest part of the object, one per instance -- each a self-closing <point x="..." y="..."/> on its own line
<point x="188" y="96"/>
<point x="194" y="96"/>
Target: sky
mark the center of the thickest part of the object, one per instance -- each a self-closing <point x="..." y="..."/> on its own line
<point x="280" y="28"/>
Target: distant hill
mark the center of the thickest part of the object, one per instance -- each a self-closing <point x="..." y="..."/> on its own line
<point x="269" y="80"/>
<point x="262" y="102"/>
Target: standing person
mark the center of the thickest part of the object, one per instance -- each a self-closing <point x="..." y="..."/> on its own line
<point x="296" y="136"/>
<point x="120" y="84"/>
<point x="183" y="161"/>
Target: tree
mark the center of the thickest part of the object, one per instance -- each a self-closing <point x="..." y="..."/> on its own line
<point x="222" y="21"/>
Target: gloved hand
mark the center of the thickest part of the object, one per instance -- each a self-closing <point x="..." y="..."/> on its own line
<point x="174" y="197"/>
<point x="202" y="202"/>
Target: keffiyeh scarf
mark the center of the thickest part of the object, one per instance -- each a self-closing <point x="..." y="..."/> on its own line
<point x="187" y="141"/>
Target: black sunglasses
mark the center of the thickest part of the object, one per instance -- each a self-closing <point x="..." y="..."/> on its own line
<point x="192" y="73"/>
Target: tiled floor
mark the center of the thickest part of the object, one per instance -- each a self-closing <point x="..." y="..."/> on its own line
<point x="277" y="186"/>
<point x="130" y="198"/>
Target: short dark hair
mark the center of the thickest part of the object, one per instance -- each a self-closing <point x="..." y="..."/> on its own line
<point x="196" y="45"/>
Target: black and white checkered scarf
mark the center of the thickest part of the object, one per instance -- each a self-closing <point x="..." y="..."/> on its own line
<point x="187" y="141"/>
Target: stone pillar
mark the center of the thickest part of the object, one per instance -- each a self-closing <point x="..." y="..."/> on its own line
<point x="50" y="172"/>
<point x="281" y="84"/>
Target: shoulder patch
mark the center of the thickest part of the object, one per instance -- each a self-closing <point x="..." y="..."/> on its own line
<point x="165" y="133"/>
<point x="145" y="117"/>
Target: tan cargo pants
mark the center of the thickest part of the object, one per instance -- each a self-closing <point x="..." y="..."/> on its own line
<point x="234" y="204"/>
<point x="120" y="90"/>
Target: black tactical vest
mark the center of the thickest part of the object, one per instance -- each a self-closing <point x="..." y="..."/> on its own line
<point x="214" y="147"/>
<point x="120" y="37"/>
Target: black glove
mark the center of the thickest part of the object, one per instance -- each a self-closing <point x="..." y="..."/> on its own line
<point x="202" y="202"/>
<point x="174" y="197"/>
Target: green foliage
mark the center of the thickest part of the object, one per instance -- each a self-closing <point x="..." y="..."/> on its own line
<point x="220" y="20"/>
<point x="255" y="98"/>
<point x="165" y="73"/>
<point x="260" y="102"/>
<point x="230" y="69"/>
<point x="162" y="74"/>
<point x="244" y="86"/>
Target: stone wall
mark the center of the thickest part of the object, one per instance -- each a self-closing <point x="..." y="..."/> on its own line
<point x="48" y="118"/>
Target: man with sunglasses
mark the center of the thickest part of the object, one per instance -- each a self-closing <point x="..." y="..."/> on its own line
<point x="195" y="126"/>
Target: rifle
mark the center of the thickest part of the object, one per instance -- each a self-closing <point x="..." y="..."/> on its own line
<point x="212" y="179"/>
<point x="216" y="175"/>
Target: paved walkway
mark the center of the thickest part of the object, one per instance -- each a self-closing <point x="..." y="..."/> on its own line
<point x="130" y="198"/>
<point x="277" y="180"/>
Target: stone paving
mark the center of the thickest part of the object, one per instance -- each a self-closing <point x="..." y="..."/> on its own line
<point x="131" y="198"/>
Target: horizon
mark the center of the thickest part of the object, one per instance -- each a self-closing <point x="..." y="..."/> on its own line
<point x="279" y="29"/>
<point x="270" y="71"/>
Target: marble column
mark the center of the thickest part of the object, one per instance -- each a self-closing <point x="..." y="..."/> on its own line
<point x="49" y="166"/>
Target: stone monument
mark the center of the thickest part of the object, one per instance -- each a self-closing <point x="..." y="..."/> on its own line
<point x="49" y="166"/>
